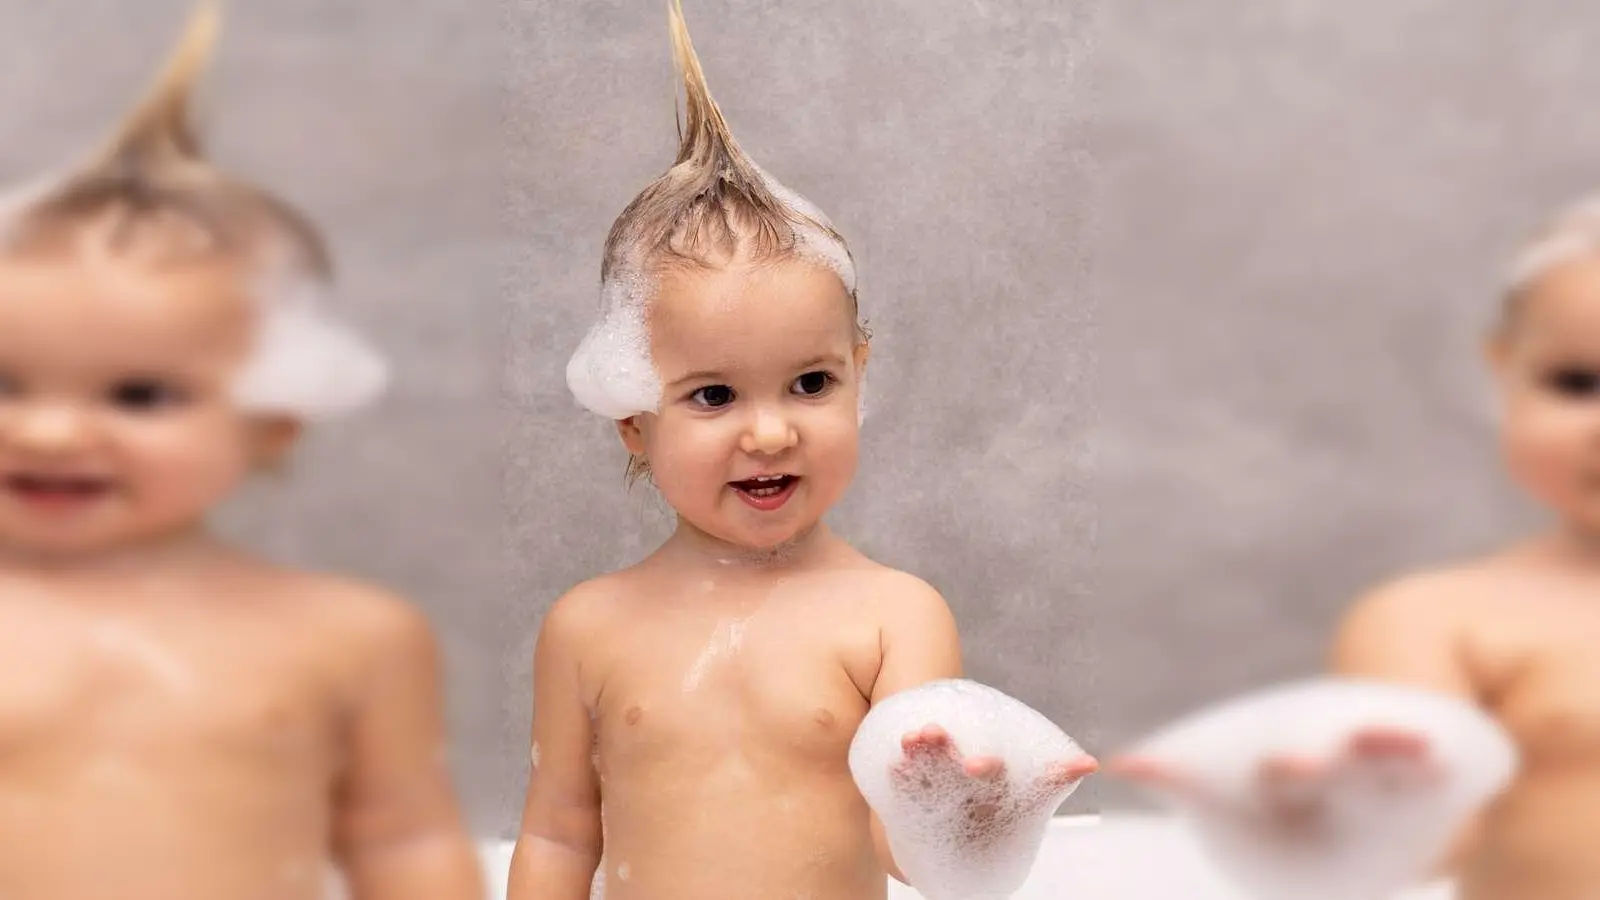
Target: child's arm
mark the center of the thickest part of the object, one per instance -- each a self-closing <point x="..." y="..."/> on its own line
<point x="920" y="644"/>
<point x="560" y="844"/>
<point x="399" y="832"/>
<point x="1409" y="633"/>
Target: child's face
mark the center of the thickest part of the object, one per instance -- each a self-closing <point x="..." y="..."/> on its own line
<point x="760" y="369"/>
<point x="117" y="424"/>
<point x="1547" y="362"/>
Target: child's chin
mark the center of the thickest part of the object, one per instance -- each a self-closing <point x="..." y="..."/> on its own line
<point x="57" y="543"/>
<point x="765" y="540"/>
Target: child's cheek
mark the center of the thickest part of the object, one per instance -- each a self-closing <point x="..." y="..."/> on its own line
<point x="1545" y="453"/>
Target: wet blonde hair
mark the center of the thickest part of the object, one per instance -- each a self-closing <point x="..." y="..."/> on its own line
<point x="714" y="205"/>
<point x="151" y="192"/>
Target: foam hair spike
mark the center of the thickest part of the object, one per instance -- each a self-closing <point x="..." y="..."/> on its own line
<point x="304" y="363"/>
<point x="160" y="125"/>
<point x="612" y="373"/>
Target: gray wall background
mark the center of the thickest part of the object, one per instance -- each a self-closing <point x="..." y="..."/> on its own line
<point x="947" y="139"/>
<point x="1306" y="206"/>
<point x="384" y="127"/>
<point x="1295" y="213"/>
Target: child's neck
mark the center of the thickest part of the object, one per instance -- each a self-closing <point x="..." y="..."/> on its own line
<point x="689" y="544"/>
<point x="1572" y="545"/>
<point x="176" y="549"/>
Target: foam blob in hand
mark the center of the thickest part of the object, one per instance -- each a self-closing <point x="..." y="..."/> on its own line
<point x="965" y="780"/>
<point x="1327" y="789"/>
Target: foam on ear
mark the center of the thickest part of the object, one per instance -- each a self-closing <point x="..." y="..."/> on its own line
<point x="1371" y="842"/>
<point x="932" y="839"/>
<point x="304" y="363"/>
<point x="612" y="374"/>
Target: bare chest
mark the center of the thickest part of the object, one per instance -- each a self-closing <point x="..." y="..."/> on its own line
<point x="758" y="692"/>
<point x="81" y="691"/>
<point x="1549" y="692"/>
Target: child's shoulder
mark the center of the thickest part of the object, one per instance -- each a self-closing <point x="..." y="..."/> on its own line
<point x="1435" y="600"/>
<point x="358" y="614"/>
<point x="900" y="594"/>
<point x="587" y="607"/>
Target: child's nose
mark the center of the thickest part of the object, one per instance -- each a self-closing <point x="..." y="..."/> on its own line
<point x="770" y="432"/>
<point x="45" y="428"/>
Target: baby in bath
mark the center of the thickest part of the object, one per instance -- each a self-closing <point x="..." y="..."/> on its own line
<point x="179" y="721"/>
<point x="706" y="698"/>
<point x="1515" y="633"/>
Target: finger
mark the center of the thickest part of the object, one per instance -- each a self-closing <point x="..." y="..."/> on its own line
<point x="1387" y="742"/>
<point x="1061" y="774"/>
<point x="927" y="740"/>
<point x="1291" y="770"/>
<point x="1141" y="769"/>
<point x="985" y="768"/>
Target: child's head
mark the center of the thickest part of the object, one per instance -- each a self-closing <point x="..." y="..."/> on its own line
<point x="160" y="335"/>
<point x="1545" y="351"/>
<point x="730" y="347"/>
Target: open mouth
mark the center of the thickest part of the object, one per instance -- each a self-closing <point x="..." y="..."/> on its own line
<point x="56" y="490"/>
<point x="766" y="491"/>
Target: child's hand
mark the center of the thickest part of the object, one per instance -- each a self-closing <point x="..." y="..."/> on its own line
<point x="1290" y="796"/>
<point x="935" y="775"/>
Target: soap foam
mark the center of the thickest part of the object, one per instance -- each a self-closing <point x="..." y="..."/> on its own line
<point x="813" y="243"/>
<point x="612" y="374"/>
<point x="933" y="841"/>
<point x="1368" y="843"/>
<point x="305" y="363"/>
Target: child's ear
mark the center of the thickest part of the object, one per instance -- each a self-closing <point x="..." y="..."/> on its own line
<point x="632" y="437"/>
<point x="275" y="437"/>
<point x="863" y="351"/>
<point x="1496" y="352"/>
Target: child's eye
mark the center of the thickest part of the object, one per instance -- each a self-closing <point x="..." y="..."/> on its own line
<point x="713" y="396"/>
<point x="1574" y="382"/>
<point x="9" y="387"/>
<point x="144" y="395"/>
<point x="813" y="383"/>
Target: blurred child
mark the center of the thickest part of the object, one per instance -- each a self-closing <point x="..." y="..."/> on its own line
<point x="1515" y="633"/>
<point x="178" y="720"/>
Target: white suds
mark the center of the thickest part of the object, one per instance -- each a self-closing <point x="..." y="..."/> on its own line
<point x="305" y="363"/>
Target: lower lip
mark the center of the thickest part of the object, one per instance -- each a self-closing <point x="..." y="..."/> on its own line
<point x="56" y="502"/>
<point x="772" y="501"/>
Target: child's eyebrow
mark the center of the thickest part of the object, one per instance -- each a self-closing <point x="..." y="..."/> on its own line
<point x="714" y="375"/>
<point x="702" y="375"/>
<point x="834" y="358"/>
